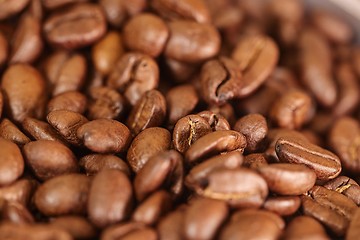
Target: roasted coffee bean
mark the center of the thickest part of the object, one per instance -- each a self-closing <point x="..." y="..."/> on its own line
<point x="10" y="7"/>
<point x="10" y="131"/>
<point x="203" y="218"/>
<point x="324" y="163"/>
<point x="152" y="208"/>
<point x="24" y="89"/>
<point x="240" y="188"/>
<point x="78" y="26"/>
<point x="304" y="227"/>
<point x="144" y="146"/>
<point x="26" y="44"/>
<point x="345" y="186"/>
<point x="48" y="159"/>
<point x="255" y="160"/>
<point x="78" y="227"/>
<point x="104" y="136"/>
<point x="283" y="206"/>
<point x="254" y="128"/>
<point x="171" y="226"/>
<point x="216" y="121"/>
<point x="192" y="10"/>
<point x="66" y="123"/>
<point x="164" y="169"/>
<point x="40" y="130"/>
<point x="181" y="101"/>
<point x="94" y="163"/>
<point x="15" y="212"/>
<point x="191" y="41"/>
<point x="188" y="130"/>
<point x="150" y="111"/>
<point x="344" y="138"/>
<point x="214" y="143"/>
<point x="288" y="179"/>
<point x="51" y="4"/>
<point x="3" y="50"/>
<point x="133" y="75"/>
<point x="72" y="101"/>
<point x="108" y="205"/>
<point x="11" y="162"/>
<point x="221" y="80"/>
<point x="180" y="71"/>
<point x="65" y="71"/>
<point x="292" y="110"/>
<point x="19" y="191"/>
<point x="352" y="232"/>
<point x="256" y="57"/>
<point x="129" y="231"/>
<point x="66" y="194"/>
<point x="146" y="33"/>
<point x="106" y="52"/>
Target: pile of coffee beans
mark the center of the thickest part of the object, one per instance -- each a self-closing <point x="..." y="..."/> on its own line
<point x="178" y="119"/>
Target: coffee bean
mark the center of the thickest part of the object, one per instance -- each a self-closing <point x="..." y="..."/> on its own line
<point x="106" y="52"/>
<point x="104" y="136"/>
<point x="133" y="75"/>
<point x="77" y="26"/>
<point x="11" y="162"/>
<point x="216" y="121"/>
<point x="10" y="131"/>
<point x="192" y="42"/>
<point x="48" y="159"/>
<point x="10" y="8"/>
<point x="214" y="143"/>
<point x="66" y="194"/>
<point x="78" y="227"/>
<point x="304" y="227"/>
<point x="288" y="179"/>
<point x="15" y="212"/>
<point x="94" y="163"/>
<point x="40" y="130"/>
<point x="172" y="225"/>
<point x="325" y="164"/>
<point x="106" y="203"/>
<point x="144" y="146"/>
<point x="149" y="112"/>
<point x="345" y="186"/>
<point x="283" y="205"/>
<point x="353" y="230"/>
<point x="180" y="71"/>
<point x="51" y="4"/>
<point x="17" y="81"/>
<point x="255" y="160"/>
<point x="3" y="49"/>
<point x="129" y="231"/>
<point x="254" y="128"/>
<point x="19" y="191"/>
<point x="72" y="101"/>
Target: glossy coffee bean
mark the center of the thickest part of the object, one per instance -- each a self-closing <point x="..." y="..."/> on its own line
<point x="10" y="131"/>
<point x="11" y="162"/>
<point x="94" y="163"/>
<point x="72" y="101"/>
<point x="345" y="186"/>
<point x="283" y="205"/>
<point x="353" y="230"/>
<point x="78" y="227"/>
<point x="10" y="8"/>
<point x="20" y="191"/>
<point x="255" y="160"/>
<point x="216" y="120"/>
<point x="304" y="227"/>
<point x="15" y="212"/>
<point x="40" y="130"/>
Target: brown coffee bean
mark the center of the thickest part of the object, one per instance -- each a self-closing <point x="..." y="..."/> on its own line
<point x="105" y="102"/>
<point x="10" y="8"/>
<point x="191" y="10"/>
<point x="144" y="146"/>
<point x="221" y="80"/>
<point x="180" y="72"/>
<point x="66" y="123"/>
<point x="188" y="130"/>
<point x="11" y="162"/>
<point x="204" y="217"/>
<point x="254" y="128"/>
<point x="15" y="212"/>
<point x="19" y="191"/>
<point x="226" y="110"/>
<point x="106" y="203"/>
<point x="216" y="121"/>
<point x="191" y="41"/>
<point x="214" y="143"/>
<point x="352" y="232"/>
<point x="256" y="56"/>
<point x="283" y="206"/>
<point x="32" y="232"/>
<point x="51" y="4"/>
<point x="355" y="60"/>
<point x="104" y="136"/>
<point x="106" y="52"/>
<point x="40" y="130"/>
<point x="146" y="33"/>
<point x="66" y="194"/>
<point x="304" y="227"/>
<point x="94" y="163"/>
<point x="48" y="159"/>
<point x="129" y="231"/>
<point x="344" y="138"/>
<point x="181" y="101"/>
<point x="255" y="160"/>
<point x="72" y="101"/>
<point x="276" y="219"/>
<point x="10" y="131"/>
<point x="65" y="71"/>
<point x="163" y="170"/>
<point x="133" y="75"/>
<point x="3" y="49"/>
<point x="345" y="186"/>
<point x="171" y="226"/>
<point x="150" y="111"/>
<point x="292" y="110"/>
<point x="78" y="227"/>
<point x="151" y="209"/>
<point x="240" y="188"/>
<point x="17" y="81"/>
<point x="77" y="26"/>
<point x="288" y="179"/>
<point x="324" y="163"/>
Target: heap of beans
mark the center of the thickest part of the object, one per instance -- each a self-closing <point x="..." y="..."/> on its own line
<point x="177" y="119"/>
